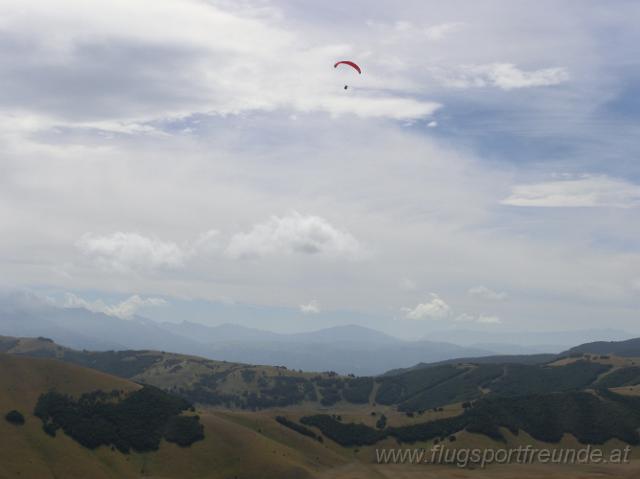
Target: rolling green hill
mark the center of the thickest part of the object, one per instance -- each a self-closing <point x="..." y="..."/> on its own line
<point x="417" y="389"/>
<point x="291" y="424"/>
<point x="432" y="387"/>
<point x="28" y="451"/>
<point x="547" y="401"/>
<point x="591" y="418"/>
<point x="204" y="381"/>
<point x="628" y="348"/>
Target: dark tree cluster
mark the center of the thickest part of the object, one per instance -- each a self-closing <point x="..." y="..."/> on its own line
<point x="523" y="379"/>
<point x="135" y="421"/>
<point x="436" y="386"/>
<point x="282" y="391"/>
<point x="546" y="417"/>
<point x="456" y="388"/>
<point x="358" y="390"/>
<point x="15" y="417"/>
<point x="203" y="395"/>
<point x="299" y="428"/>
<point x="345" y="434"/>
<point x="184" y="430"/>
<point x="330" y="396"/>
<point x="399" y="388"/>
<point x="277" y="391"/>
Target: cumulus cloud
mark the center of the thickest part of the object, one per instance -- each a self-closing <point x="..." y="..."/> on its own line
<point x="483" y="292"/>
<point x="588" y="191"/>
<point x="126" y="252"/>
<point x="436" y="308"/>
<point x="312" y="307"/>
<point x="123" y="310"/>
<point x="294" y="234"/>
<point x="505" y="76"/>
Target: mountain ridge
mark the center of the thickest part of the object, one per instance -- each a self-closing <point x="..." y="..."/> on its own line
<point x="344" y="349"/>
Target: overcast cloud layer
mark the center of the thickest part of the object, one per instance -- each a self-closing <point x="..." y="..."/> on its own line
<point x="483" y="170"/>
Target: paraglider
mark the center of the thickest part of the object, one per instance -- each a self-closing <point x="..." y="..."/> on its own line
<point x="350" y="64"/>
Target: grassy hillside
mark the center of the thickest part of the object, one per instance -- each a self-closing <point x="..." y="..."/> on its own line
<point x="28" y="451"/>
<point x="590" y="418"/>
<point x="432" y="387"/>
<point x="628" y="348"/>
<point x="215" y="383"/>
<point x="418" y="389"/>
<point x="346" y="412"/>
<point x="542" y="358"/>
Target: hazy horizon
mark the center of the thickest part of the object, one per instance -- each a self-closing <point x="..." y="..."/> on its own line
<point x="290" y="322"/>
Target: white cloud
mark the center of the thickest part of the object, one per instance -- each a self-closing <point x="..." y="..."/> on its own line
<point x="295" y="233"/>
<point x="312" y="307"/>
<point x="505" y="76"/>
<point x="434" y="309"/>
<point x="483" y="292"/>
<point x="588" y="191"/>
<point x="126" y="252"/>
<point x="123" y="310"/>
<point x="133" y="62"/>
<point x="370" y="106"/>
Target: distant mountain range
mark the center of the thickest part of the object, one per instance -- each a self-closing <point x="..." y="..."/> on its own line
<point x="344" y="349"/>
<point x="230" y="333"/>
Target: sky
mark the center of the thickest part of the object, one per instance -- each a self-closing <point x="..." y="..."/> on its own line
<point x="201" y="160"/>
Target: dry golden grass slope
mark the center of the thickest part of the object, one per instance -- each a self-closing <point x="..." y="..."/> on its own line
<point x="229" y="449"/>
<point x="238" y="444"/>
<point x="172" y="371"/>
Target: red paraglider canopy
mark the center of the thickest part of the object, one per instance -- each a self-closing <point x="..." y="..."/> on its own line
<point x="351" y="64"/>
